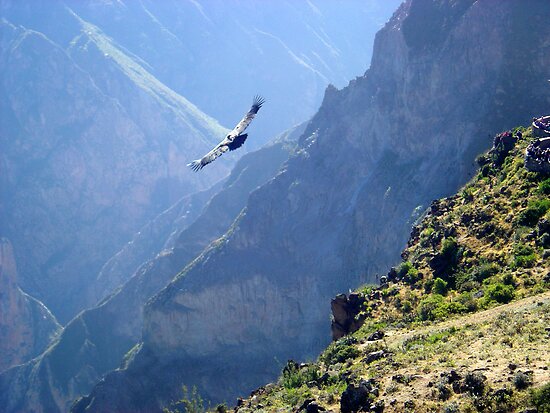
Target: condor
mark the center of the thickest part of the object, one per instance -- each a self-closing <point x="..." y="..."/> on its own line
<point x="233" y="140"/>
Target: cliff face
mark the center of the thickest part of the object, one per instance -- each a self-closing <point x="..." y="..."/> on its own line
<point x="288" y="51"/>
<point x="96" y="340"/>
<point x="443" y="73"/>
<point x="26" y="325"/>
<point x="93" y="147"/>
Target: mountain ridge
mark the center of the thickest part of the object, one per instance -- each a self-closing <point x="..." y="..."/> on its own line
<point x="375" y="154"/>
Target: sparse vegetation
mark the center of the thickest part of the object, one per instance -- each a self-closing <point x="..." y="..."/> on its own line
<point x="191" y="402"/>
<point x="475" y="251"/>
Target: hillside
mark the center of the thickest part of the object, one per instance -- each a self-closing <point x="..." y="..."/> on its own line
<point x="339" y="211"/>
<point x="460" y="325"/>
<point x="93" y="147"/>
<point x="97" y="340"/>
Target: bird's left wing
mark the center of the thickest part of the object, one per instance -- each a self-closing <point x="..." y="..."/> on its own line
<point x="198" y="164"/>
<point x="243" y="124"/>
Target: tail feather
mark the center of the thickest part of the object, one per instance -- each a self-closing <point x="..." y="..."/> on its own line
<point x="196" y="165"/>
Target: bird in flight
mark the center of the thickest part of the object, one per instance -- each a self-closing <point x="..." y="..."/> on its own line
<point x="233" y="140"/>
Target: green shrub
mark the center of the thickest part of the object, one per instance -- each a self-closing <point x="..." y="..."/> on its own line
<point x="440" y="286"/>
<point x="295" y="376"/>
<point x="403" y="268"/>
<point x="485" y="270"/>
<point x="541" y="398"/>
<point x="534" y="211"/>
<point x="412" y="276"/>
<point x="524" y="256"/>
<point x="467" y="300"/>
<point x="500" y="293"/>
<point x="544" y="187"/>
<point x="449" y="248"/>
<point x="433" y="307"/>
<point x="340" y="351"/>
<point x="189" y="403"/>
<point x="522" y="380"/>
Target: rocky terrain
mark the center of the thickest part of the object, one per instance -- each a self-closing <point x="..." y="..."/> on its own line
<point x="26" y="325"/>
<point x="444" y="76"/>
<point x="460" y="325"/>
<point x="96" y="340"/>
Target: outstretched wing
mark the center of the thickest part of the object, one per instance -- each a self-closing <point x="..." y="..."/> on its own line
<point x="243" y="124"/>
<point x="198" y="164"/>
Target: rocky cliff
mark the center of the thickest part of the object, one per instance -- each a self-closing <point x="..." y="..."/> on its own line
<point x="288" y="51"/>
<point x="96" y="340"/>
<point x="443" y="74"/>
<point x="78" y="74"/>
<point x="460" y="324"/>
<point x="26" y="325"/>
<point x="93" y="147"/>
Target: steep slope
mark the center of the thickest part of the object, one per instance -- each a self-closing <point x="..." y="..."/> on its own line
<point x="149" y="241"/>
<point x="220" y="53"/>
<point x="26" y="325"/>
<point x="95" y="341"/>
<point x="484" y="251"/>
<point x="93" y="147"/>
<point x="405" y="133"/>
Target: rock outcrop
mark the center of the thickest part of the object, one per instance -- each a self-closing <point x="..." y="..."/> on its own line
<point x="537" y="156"/>
<point x="347" y="314"/>
<point x="26" y="325"/>
<point x="377" y="152"/>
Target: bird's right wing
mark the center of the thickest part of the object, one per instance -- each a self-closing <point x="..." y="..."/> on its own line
<point x="198" y="164"/>
<point x="243" y="124"/>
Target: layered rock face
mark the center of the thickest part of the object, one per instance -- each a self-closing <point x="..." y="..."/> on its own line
<point x="444" y="75"/>
<point x="95" y="341"/>
<point x="93" y="147"/>
<point x="92" y="113"/>
<point x="26" y="325"/>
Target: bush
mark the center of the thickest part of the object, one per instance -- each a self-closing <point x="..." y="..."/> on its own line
<point x="440" y="286"/>
<point x="541" y="398"/>
<point x="524" y="256"/>
<point x="433" y="307"/>
<point x="340" y="351"/>
<point x="544" y="187"/>
<point x="474" y="383"/>
<point x="468" y="301"/>
<point x="500" y="293"/>
<point x="295" y="376"/>
<point x="534" y="211"/>
<point x="449" y="248"/>
<point x="403" y="269"/>
<point x="522" y="380"/>
<point x="485" y="271"/>
<point x="189" y="403"/>
<point x="412" y="276"/>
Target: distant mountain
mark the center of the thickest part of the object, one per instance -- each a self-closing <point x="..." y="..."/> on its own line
<point x="444" y="76"/>
<point x="96" y="340"/>
<point x="116" y="72"/>
<point x="93" y="146"/>
<point x="219" y="53"/>
<point x="26" y="325"/>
